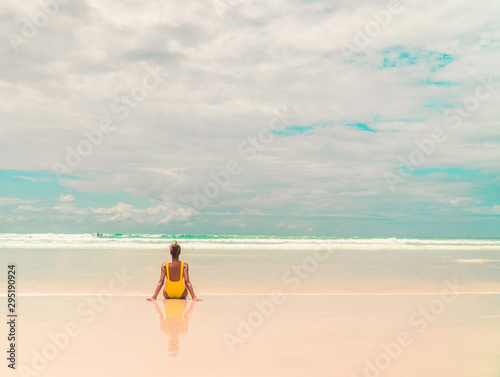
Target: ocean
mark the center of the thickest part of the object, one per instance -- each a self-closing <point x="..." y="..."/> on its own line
<point x="204" y="242"/>
<point x="74" y="264"/>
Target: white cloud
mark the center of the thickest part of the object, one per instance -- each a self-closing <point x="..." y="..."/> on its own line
<point x="161" y="213"/>
<point x="27" y="207"/>
<point x="252" y="212"/>
<point x="9" y="201"/>
<point x="32" y="179"/>
<point x="66" y="198"/>
<point x="119" y="208"/>
<point x="69" y="208"/>
<point x="493" y="210"/>
<point x="456" y="202"/>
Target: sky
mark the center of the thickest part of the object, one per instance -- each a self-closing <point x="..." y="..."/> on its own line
<point x="334" y="118"/>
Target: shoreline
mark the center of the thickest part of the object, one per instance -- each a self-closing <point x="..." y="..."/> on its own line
<point x="246" y="294"/>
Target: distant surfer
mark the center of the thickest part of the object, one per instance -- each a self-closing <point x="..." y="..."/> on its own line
<point x="98" y="235"/>
<point x="177" y="282"/>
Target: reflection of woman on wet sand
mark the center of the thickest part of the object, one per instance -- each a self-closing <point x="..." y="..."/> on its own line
<point x="176" y="322"/>
<point x="177" y="283"/>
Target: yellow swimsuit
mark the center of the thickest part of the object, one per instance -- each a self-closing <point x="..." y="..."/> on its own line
<point x="175" y="289"/>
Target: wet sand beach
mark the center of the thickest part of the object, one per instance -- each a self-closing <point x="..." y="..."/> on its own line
<point x="227" y="335"/>
<point x="266" y="312"/>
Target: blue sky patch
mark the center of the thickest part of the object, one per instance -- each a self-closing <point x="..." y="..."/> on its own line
<point x="400" y="56"/>
<point x="438" y="104"/>
<point x="361" y="126"/>
<point x="445" y="84"/>
<point x="299" y="130"/>
<point x="450" y="172"/>
<point x="378" y="118"/>
<point x="294" y="130"/>
<point x="309" y="130"/>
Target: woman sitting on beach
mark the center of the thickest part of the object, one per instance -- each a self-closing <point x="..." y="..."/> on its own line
<point x="177" y="284"/>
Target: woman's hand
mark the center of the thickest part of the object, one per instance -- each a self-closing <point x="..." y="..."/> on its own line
<point x="197" y="299"/>
<point x="151" y="299"/>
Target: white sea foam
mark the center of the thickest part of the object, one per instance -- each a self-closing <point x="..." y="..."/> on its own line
<point x="158" y="241"/>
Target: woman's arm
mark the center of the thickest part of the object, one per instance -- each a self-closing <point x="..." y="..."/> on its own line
<point x="187" y="283"/>
<point x="160" y="283"/>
